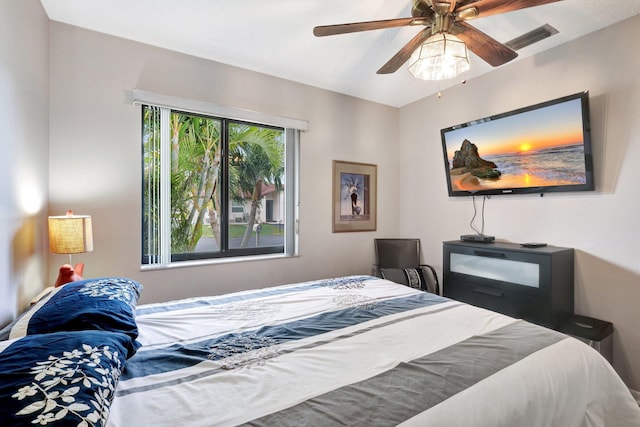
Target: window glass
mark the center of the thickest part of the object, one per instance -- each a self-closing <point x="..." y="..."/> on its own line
<point x="213" y="187"/>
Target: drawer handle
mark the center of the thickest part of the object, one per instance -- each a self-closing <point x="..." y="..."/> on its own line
<point x="488" y="292"/>
<point x="582" y="325"/>
<point x="490" y="254"/>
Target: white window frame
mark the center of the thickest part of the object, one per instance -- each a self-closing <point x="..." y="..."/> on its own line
<point x="292" y="128"/>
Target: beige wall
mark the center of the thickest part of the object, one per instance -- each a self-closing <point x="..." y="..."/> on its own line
<point x="601" y="225"/>
<point x="24" y="148"/>
<point x="95" y="159"/>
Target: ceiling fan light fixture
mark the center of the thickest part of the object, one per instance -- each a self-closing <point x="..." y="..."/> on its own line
<point x="441" y="56"/>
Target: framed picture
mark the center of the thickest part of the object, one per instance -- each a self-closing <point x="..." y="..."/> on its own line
<point x="354" y="196"/>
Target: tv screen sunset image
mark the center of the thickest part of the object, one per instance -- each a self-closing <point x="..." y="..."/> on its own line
<point x="541" y="147"/>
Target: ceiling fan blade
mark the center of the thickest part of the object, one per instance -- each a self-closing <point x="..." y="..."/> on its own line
<point x="403" y="54"/>
<point x="330" y="30"/>
<point x="486" y="47"/>
<point x="483" y="8"/>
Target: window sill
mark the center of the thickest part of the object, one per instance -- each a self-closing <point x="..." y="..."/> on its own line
<point x="214" y="261"/>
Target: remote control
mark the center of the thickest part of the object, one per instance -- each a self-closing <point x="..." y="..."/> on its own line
<point x="533" y="245"/>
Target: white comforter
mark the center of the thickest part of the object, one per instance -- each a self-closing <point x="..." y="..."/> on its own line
<point x="359" y="351"/>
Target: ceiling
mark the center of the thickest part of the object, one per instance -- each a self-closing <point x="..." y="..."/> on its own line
<point x="275" y="36"/>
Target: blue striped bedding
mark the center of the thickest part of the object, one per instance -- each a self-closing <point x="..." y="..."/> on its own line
<point x="357" y="351"/>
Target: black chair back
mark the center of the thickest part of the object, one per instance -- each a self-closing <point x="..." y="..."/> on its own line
<point x="397" y="253"/>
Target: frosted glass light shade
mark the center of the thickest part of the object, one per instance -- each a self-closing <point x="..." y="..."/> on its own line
<point x="441" y="56"/>
<point x="70" y="234"/>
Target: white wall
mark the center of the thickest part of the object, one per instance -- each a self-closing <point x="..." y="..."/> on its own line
<point x="95" y="159"/>
<point x="602" y="226"/>
<point x="24" y="149"/>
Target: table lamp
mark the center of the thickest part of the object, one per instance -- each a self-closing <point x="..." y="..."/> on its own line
<point x="70" y="234"/>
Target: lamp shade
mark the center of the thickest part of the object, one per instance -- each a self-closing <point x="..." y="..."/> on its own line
<point x="441" y="56"/>
<point x="70" y="234"/>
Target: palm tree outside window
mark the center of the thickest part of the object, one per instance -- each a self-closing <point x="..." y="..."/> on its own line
<point x="207" y="182"/>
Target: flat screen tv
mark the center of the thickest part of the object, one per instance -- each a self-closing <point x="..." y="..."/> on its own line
<point x="537" y="149"/>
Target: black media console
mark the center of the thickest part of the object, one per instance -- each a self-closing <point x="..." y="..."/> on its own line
<point x="534" y="284"/>
<point x="531" y="283"/>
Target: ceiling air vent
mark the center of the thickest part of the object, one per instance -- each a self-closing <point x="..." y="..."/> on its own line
<point x="532" y="37"/>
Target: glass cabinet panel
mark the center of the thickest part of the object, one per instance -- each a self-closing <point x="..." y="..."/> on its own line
<point x="522" y="273"/>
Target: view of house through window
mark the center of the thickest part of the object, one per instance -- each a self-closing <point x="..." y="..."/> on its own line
<point x="212" y="187"/>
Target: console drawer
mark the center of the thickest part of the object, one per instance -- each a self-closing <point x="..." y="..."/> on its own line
<point x="535" y="284"/>
<point x="510" y="303"/>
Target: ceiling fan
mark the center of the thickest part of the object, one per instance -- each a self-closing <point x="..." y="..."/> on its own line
<point x="443" y="17"/>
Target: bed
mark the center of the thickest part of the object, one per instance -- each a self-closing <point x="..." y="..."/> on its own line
<point x="356" y="351"/>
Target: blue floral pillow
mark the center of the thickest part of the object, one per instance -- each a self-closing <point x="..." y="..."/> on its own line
<point x="106" y="304"/>
<point x="61" y="379"/>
